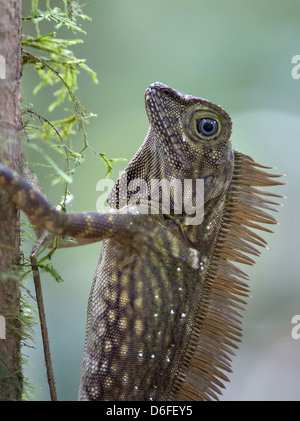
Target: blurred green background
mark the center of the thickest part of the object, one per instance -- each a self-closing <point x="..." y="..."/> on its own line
<point x="238" y="55"/>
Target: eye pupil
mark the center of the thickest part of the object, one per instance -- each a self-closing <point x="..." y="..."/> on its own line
<point x="207" y="126"/>
<point x="166" y="91"/>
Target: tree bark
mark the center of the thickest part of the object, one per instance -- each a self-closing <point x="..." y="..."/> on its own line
<point x="10" y="135"/>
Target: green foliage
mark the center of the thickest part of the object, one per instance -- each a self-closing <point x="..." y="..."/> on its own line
<point x="58" y="68"/>
<point x="28" y="318"/>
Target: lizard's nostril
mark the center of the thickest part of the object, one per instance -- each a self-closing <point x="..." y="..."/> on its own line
<point x="166" y="91"/>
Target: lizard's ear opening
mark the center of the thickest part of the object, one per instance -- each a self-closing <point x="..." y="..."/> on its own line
<point x="206" y="125"/>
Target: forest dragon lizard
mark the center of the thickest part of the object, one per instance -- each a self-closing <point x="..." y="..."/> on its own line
<point x="164" y="308"/>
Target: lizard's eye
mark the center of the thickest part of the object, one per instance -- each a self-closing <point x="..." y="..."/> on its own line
<point x="207" y="126"/>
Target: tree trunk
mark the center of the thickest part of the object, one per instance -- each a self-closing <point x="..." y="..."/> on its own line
<point x="10" y="134"/>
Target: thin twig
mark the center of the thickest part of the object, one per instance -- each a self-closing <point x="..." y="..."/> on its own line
<point x="39" y="297"/>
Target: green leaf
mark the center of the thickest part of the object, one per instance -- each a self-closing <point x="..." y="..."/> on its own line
<point x="51" y="270"/>
<point x="53" y="164"/>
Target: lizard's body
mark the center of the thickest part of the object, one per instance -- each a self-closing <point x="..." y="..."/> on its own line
<point x="163" y="312"/>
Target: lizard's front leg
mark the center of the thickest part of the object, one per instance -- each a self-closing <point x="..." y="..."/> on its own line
<point x="91" y="226"/>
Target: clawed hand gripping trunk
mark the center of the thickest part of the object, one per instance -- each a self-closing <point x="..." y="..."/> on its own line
<point x="165" y="308"/>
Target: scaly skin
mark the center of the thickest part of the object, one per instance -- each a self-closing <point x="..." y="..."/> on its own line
<point x="162" y="312"/>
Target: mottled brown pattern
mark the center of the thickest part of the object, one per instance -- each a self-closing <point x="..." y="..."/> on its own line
<point x="164" y="308"/>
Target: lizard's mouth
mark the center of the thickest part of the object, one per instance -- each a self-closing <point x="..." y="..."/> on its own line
<point x="156" y="97"/>
<point x="153" y="99"/>
<point x="150" y="103"/>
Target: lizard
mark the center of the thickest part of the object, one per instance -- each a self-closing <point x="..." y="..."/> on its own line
<point x="165" y="309"/>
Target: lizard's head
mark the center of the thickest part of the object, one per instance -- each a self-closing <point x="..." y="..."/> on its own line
<point x="192" y="136"/>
